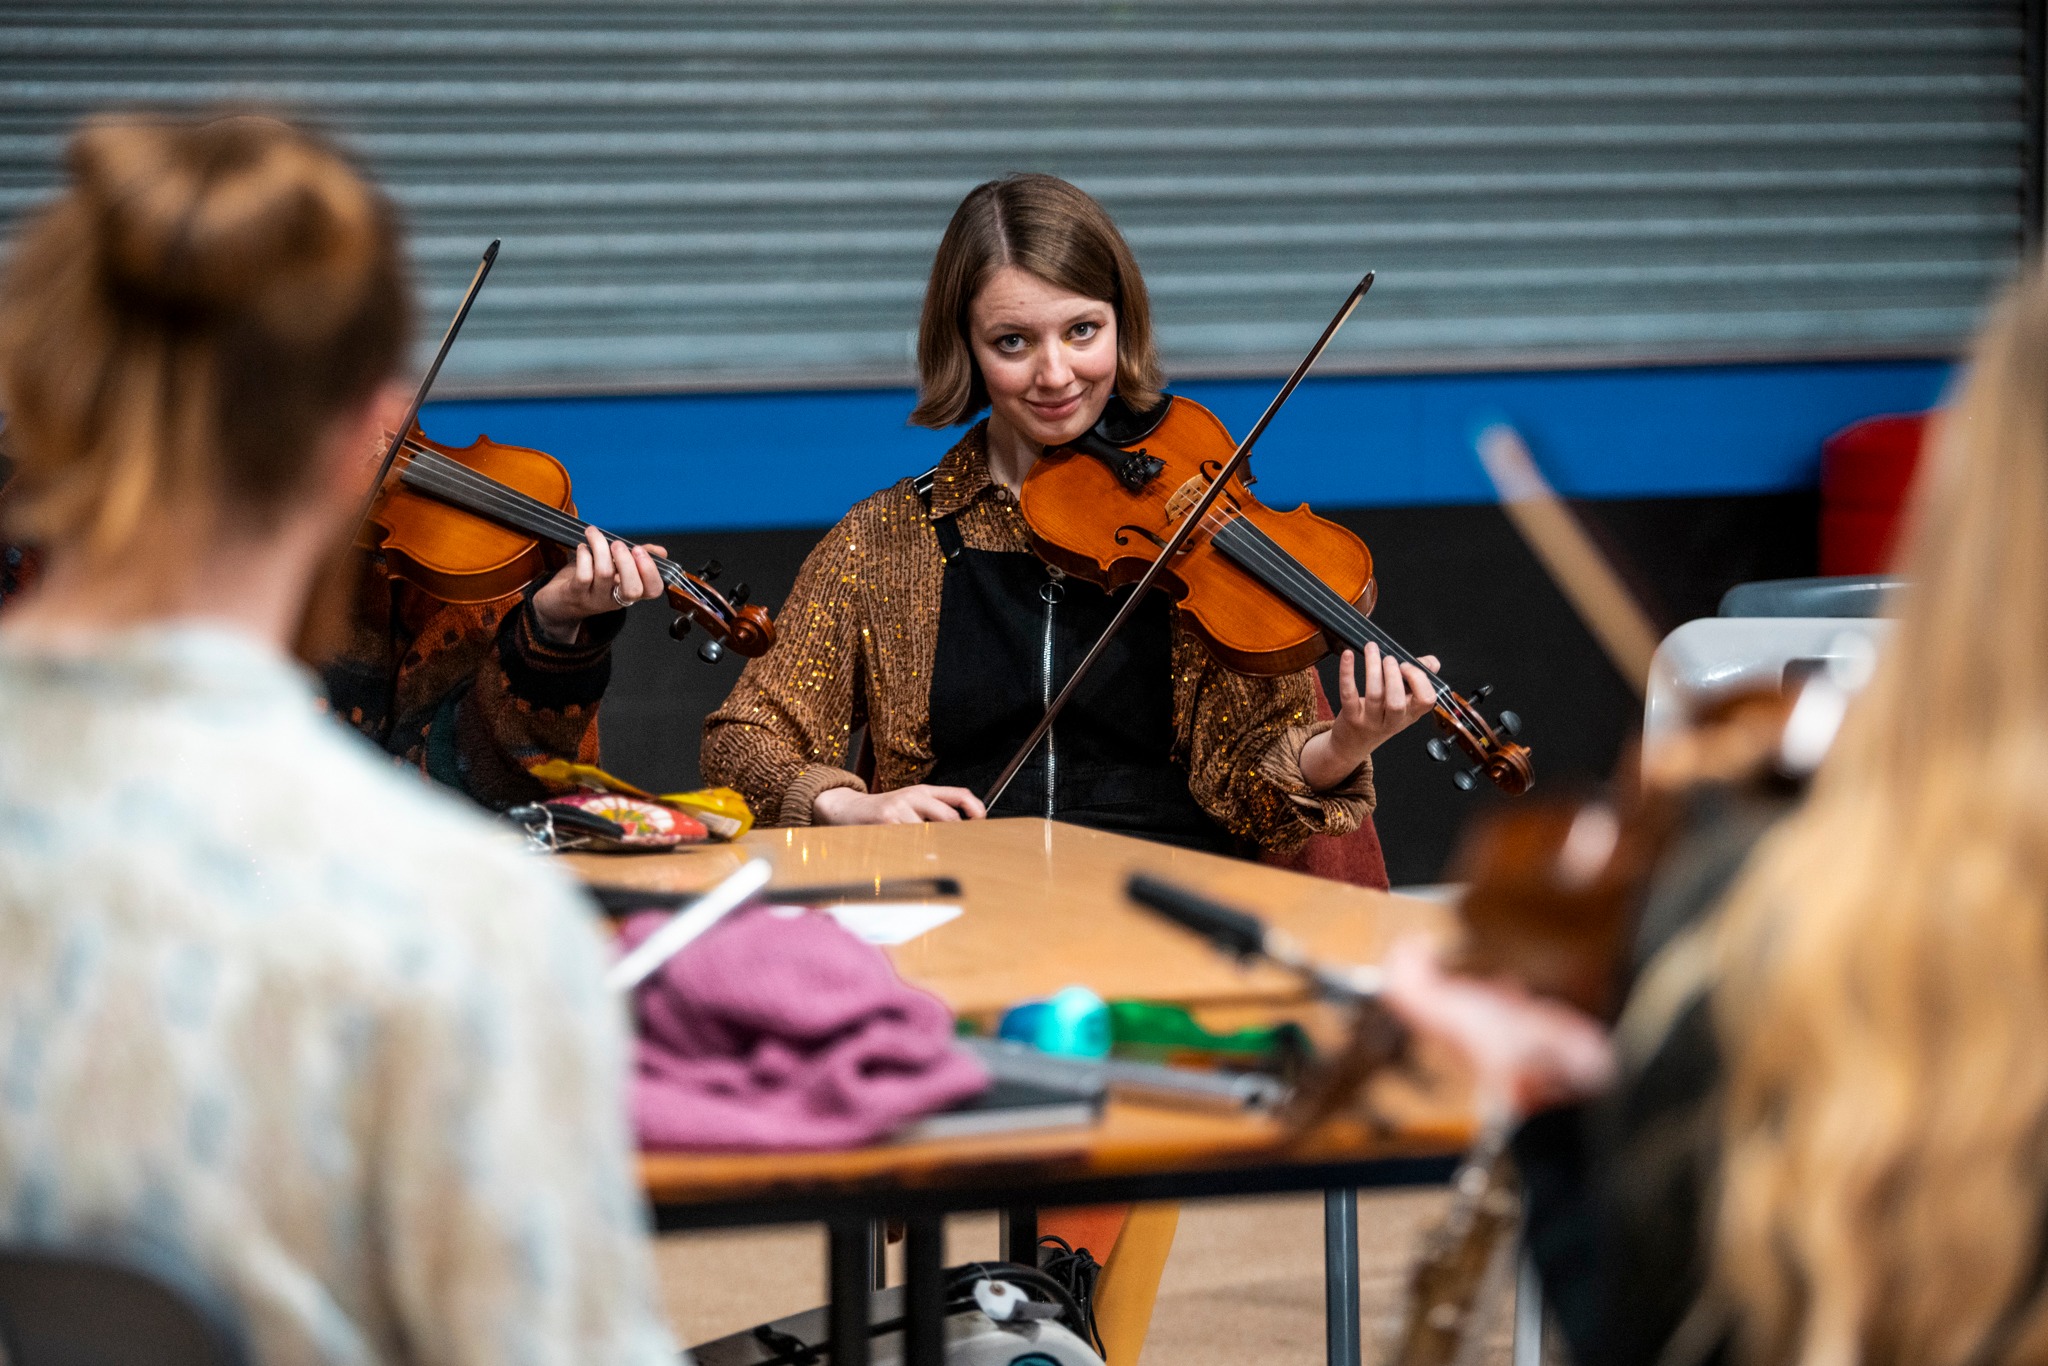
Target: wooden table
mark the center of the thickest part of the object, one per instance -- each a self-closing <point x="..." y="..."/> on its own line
<point x="1043" y="907"/>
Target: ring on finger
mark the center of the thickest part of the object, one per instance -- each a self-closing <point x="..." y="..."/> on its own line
<point x="615" y="596"/>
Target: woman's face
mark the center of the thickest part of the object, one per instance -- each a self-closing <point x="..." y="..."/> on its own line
<point x="1048" y="357"/>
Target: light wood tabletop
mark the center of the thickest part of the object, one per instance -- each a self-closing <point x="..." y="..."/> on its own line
<point x="1043" y="907"/>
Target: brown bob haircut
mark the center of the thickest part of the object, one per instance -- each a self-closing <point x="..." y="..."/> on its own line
<point x="1041" y="224"/>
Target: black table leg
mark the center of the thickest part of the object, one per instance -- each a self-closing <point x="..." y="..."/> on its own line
<point x="1020" y="1235"/>
<point x="1340" y="1277"/>
<point x="851" y="1282"/>
<point x="924" y="1295"/>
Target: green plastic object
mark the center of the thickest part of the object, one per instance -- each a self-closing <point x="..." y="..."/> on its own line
<point x="1143" y="1027"/>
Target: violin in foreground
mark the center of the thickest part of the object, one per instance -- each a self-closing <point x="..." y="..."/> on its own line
<point x="1268" y="592"/>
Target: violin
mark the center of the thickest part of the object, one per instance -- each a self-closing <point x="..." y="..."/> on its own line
<point x="478" y="522"/>
<point x="1268" y="592"/>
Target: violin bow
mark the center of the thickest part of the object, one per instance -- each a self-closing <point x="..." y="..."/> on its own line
<point x="1174" y="543"/>
<point x="419" y="398"/>
<point x="1575" y="564"/>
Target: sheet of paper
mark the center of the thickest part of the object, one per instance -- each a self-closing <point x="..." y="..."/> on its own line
<point x="892" y="922"/>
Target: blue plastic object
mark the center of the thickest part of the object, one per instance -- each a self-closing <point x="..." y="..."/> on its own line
<point x="1073" y="1022"/>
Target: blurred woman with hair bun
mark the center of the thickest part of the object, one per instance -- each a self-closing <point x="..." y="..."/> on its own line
<point x="287" y="1027"/>
<point x="472" y="695"/>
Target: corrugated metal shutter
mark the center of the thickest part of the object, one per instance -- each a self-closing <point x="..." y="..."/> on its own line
<point x="749" y="192"/>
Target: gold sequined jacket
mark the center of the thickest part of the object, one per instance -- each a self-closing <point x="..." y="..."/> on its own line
<point x="856" y="641"/>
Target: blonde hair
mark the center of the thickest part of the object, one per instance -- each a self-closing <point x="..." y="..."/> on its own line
<point x="181" y="324"/>
<point x="1884" y="994"/>
<point x="1056" y="231"/>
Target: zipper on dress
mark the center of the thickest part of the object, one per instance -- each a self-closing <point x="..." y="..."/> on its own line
<point x="1051" y="591"/>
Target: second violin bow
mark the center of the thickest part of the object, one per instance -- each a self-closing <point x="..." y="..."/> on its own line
<point x="419" y="398"/>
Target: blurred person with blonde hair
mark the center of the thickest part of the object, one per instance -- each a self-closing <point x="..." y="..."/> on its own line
<point x="1819" y="1133"/>
<point x="1884" y="963"/>
<point x="300" y="1034"/>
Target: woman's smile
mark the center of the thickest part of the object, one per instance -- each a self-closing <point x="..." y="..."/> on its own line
<point x="1057" y="410"/>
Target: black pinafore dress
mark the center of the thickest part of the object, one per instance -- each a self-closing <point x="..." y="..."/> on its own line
<point x="1011" y="630"/>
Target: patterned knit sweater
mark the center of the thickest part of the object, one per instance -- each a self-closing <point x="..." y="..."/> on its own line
<point x="470" y="695"/>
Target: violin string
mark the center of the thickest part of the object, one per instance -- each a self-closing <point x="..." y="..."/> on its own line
<point x="484" y="492"/>
<point x="488" y="493"/>
<point x="1284" y="573"/>
<point x="1278" y="562"/>
<point x="1254" y="543"/>
<point x="484" y="495"/>
<point x="478" y="493"/>
<point x="1270" y="562"/>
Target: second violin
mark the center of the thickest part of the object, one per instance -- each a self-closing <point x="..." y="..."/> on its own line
<point x="473" y="523"/>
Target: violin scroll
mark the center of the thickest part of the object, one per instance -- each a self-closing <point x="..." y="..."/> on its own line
<point x="1490" y="745"/>
<point x="731" y="621"/>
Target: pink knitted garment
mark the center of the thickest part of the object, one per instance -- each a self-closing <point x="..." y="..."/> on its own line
<point x="782" y="1032"/>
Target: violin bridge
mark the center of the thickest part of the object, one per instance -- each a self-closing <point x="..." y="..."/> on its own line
<point x="1184" y="499"/>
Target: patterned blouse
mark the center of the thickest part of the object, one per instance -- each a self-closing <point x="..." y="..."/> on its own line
<point x="855" y="644"/>
<point x="299" y="1032"/>
<point x="470" y="694"/>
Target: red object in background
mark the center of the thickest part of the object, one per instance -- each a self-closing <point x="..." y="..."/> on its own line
<point x="1865" y="470"/>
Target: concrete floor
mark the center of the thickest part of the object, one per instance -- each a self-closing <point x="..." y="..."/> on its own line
<point x="1245" y="1282"/>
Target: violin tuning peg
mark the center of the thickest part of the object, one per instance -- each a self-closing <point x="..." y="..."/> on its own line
<point x="711" y="651"/>
<point x="1438" y="750"/>
<point x="1510" y="724"/>
<point x="1465" y="779"/>
<point x="738" y="596"/>
<point x="679" y="628"/>
<point x="1482" y="692"/>
<point x="711" y="570"/>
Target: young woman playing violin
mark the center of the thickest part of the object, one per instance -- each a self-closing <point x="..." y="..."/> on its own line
<point x="925" y="618"/>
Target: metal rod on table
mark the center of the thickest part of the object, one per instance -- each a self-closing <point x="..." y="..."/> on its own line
<point x="1340" y="1277"/>
<point x="621" y="900"/>
<point x="1172" y="547"/>
<point x="924" y="1293"/>
<point x="848" y="1282"/>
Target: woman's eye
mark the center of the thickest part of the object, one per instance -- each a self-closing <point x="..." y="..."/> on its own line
<point x="1084" y="331"/>
<point x="1010" y="345"/>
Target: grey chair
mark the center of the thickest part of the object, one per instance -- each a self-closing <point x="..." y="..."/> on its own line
<point x="62" y="1309"/>
<point x="1851" y="595"/>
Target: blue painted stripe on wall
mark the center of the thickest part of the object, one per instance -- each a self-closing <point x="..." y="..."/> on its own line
<point x="709" y="461"/>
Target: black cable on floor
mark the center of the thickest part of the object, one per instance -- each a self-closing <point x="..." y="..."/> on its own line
<point x="1076" y="1271"/>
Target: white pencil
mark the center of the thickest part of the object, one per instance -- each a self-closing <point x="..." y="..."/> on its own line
<point x="687" y="924"/>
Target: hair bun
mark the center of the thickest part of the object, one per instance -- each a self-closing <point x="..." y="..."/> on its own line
<point x="235" y="215"/>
